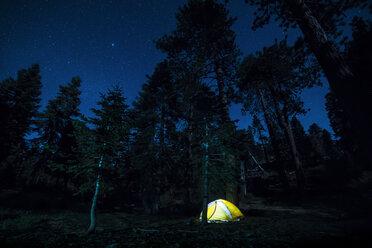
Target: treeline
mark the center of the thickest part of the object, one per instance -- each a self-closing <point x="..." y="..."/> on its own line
<point x="178" y="132"/>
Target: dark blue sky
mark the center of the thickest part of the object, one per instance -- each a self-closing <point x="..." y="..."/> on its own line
<point x="110" y="42"/>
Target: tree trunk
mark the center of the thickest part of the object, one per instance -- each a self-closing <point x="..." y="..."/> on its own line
<point x="19" y="171"/>
<point x="93" y="221"/>
<point x="150" y="199"/>
<point x="243" y="177"/>
<point x="162" y="128"/>
<point x="222" y="95"/>
<point x="274" y="142"/>
<point x="232" y="187"/>
<point x="263" y="145"/>
<point x="205" y="187"/>
<point x="300" y="175"/>
<point x="189" y="173"/>
<point x="285" y="125"/>
<point x="343" y="83"/>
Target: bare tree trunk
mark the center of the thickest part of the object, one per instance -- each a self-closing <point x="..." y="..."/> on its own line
<point x="93" y="221"/>
<point x="285" y="125"/>
<point x="281" y="171"/>
<point x="343" y="83"/>
<point x="243" y="177"/>
<point x="205" y="186"/>
<point x="189" y="173"/>
<point x="300" y="175"/>
<point x="263" y="146"/>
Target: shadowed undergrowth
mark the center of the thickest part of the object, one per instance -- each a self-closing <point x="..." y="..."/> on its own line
<point x="264" y="226"/>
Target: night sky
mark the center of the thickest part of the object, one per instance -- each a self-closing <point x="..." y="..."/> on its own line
<point x="111" y="42"/>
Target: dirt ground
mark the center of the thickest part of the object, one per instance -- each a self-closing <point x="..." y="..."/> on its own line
<point x="264" y="225"/>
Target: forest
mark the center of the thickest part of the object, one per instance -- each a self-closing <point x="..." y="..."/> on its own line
<point x="140" y="174"/>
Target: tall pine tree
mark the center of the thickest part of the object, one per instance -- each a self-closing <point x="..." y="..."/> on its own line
<point x="19" y="103"/>
<point x="204" y="38"/>
<point x="319" y="21"/>
<point x="277" y="75"/>
<point x="111" y="148"/>
<point x="57" y="141"/>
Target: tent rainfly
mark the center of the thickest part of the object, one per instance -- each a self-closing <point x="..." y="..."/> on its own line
<point x="222" y="210"/>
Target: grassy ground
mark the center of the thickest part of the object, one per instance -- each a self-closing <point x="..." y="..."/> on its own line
<point x="265" y="225"/>
<point x="327" y="216"/>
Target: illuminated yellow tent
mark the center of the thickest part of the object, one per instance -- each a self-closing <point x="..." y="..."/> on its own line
<point x="222" y="210"/>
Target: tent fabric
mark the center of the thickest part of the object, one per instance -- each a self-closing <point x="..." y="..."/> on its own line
<point x="222" y="210"/>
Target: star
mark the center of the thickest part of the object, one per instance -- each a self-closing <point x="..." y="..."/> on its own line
<point x="112" y="44"/>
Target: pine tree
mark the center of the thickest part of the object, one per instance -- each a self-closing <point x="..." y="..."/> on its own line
<point x="301" y="138"/>
<point x="19" y="103"/>
<point x="329" y="145"/>
<point x="155" y="136"/>
<point x="358" y="54"/>
<point x="111" y="148"/>
<point x="259" y="129"/>
<point x="277" y="75"/>
<point x="315" y="133"/>
<point x="202" y="51"/>
<point x="318" y="21"/>
<point x="111" y="115"/>
<point x="57" y="141"/>
<point x="82" y="172"/>
<point x="204" y="39"/>
<point x="255" y="99"/>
